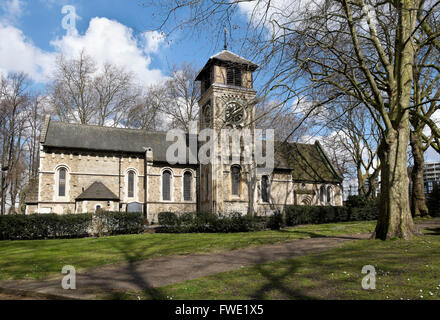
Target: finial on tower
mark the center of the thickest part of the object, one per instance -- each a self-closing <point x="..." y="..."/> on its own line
<point x="225" y="47"/>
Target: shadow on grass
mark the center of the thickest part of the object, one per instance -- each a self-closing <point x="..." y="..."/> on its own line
<point x="276" y="283"/>
<point x="311" y="234"/>
<point x="432" y="231"/>
<point x="128" y="278"/>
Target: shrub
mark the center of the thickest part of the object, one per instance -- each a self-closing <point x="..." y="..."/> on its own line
<point x="168" y="219"/>
<point x="123" y="222"/>
<point x="275" y="221"/>
<point x="187" y="218"/>
<point x="211" y="223"/>
<point x="21" y="227"/>
<point x="364" y="214"/>
<point x="51" y="226"/>
<point x="327" y="214"/>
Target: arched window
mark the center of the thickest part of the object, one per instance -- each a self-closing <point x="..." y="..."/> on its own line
<point x="329" y="195"/>
<point x="130" y="191"/>
<point x="62" y="173"/>
<point x="187" y="182"/>
<point x="322" y="194"/>
<point x="235" y="177"/>
<point x="166" y="185"/>
<point x="264" y="189"/>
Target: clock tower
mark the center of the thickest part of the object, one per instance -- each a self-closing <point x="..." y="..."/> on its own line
<point x="227" y="107"/>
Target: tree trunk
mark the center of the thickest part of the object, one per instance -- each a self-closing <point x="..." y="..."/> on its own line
<point x="395" y="220"/>
<point x="418" y="200"/>
<point x="362" y="190"/>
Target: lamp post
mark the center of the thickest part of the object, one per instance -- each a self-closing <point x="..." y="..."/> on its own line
<point x="4" y="169"/>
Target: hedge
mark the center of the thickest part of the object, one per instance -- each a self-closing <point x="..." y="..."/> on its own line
<point x="52" y="226"/>
<point x="210" y="223"/>
<point x="295" y="215"/>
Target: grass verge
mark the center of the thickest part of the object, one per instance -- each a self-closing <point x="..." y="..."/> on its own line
<point x="405" y="270"/>
<point x="36" y="259"/>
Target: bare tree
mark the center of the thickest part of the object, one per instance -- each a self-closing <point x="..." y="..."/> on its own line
<point x="72" y="93"/>
<point x="146" y="111"/>
<point x="182" y="95"/>
<point x="115" y="94"/>
<point x="82" y="93"/>
<point x="13" y="103"/>
<point x="361" y="49"/>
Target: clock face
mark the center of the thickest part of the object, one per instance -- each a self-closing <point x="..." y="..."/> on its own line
<point x="235" y="113"/>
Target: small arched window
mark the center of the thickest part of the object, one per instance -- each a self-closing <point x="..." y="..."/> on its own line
<point x="187" y="182"/>
<point x="322" y="194"/>
<point x="130" y="190"/>
<point x="62" y="173"/>
<point x="166" y="185"/>
<point x="264" y="189"/>
<point x="329" y="195"/>
<point x="236" y="178"/>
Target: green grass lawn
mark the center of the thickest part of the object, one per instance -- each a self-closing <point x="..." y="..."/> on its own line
<point x="405" y="270"/>
<point x="41" y="258"/>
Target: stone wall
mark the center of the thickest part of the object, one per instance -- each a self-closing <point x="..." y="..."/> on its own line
<point x="85" y="168"/>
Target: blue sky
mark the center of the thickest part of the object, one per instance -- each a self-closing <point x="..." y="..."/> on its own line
<point x="117" y="31"/>
<point x="33" y="35"/>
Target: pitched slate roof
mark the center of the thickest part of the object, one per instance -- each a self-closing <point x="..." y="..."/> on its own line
<point x="308" y="162"/>
<point x="97" y="191"/>
<point x="87" y="137"/>
<point x="228" y="56"/>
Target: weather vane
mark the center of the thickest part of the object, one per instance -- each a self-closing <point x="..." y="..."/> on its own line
<point x="225" y="47"/>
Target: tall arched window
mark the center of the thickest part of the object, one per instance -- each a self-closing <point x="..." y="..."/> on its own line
<point x="235" y="179"/>
<point x="130" y="191"/>
<point x="329" y="195"/>
<point x="322" y="194"/>
<point x="62" y="182"/>
<point x="187" y="182"/>
<point x="264" y="189"/>
<point x="166" y="185"/>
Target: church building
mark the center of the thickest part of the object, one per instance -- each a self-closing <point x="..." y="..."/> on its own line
<point x="86" y="168"/>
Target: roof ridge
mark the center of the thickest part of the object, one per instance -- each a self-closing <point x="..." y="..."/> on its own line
<point x="237" y="55"/>
<point x="107" y="128"/>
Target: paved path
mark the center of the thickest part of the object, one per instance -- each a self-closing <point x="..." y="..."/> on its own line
<point x="159" y="272"/>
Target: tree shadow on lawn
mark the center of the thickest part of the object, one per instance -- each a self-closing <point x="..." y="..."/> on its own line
<point x="311" y="234"/>
<point x="128" y="274"/>
<point x="432" y="231"/>
<point x="275" y="283"/>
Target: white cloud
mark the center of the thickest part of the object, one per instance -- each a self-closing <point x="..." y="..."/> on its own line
<point x="19" y="54"/>
<point x="12" y="7"/>
<point x="105" y="40"/>
<point x="153" y="41"/>
<point x="108" y="41"/>
<point x="266" y="12"/>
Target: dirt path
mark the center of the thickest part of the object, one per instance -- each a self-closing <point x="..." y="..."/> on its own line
<point x="159" y="272"/>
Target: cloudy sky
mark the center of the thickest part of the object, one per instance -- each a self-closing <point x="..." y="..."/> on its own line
<point x="33" y="33"/>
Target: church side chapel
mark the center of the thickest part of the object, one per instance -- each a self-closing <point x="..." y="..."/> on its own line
<point x="87" y="168"/>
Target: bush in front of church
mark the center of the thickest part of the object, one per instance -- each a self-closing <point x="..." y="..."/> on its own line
<point x="53" y="226"/>
<point x="276" y="221"/>
<point x="167" y="219"/>
<point x="210" y="223"/>
<point x="296" y="215"/>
